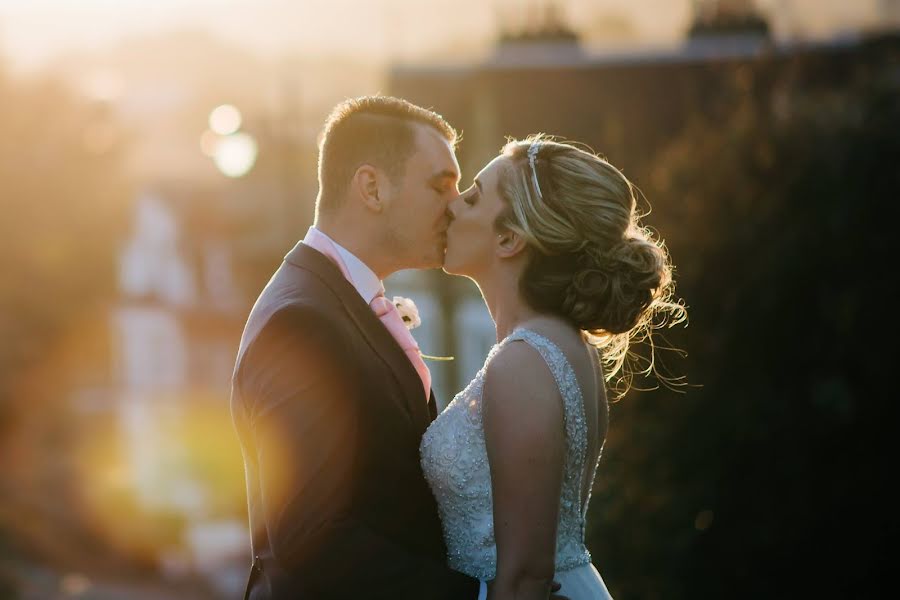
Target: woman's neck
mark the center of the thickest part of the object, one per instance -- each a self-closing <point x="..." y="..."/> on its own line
<point x="507" y="308"/>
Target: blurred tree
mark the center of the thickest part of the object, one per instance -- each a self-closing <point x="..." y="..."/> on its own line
<point x="63" y="201"/>
<point x="717" y="17"/>
<point x="773" y="478"/>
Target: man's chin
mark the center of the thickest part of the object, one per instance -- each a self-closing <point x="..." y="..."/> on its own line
<point x="437" y="259"/>
<point x="431" y="263"/>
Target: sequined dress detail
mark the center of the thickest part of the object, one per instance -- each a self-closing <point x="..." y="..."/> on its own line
<point x="454" y="460"/>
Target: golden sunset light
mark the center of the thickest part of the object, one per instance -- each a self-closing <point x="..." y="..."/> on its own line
<point x="160" y="173"/>
<point x="370" y="29"/>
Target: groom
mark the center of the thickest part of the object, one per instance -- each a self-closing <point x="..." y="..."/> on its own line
<point x="330" y="397"/>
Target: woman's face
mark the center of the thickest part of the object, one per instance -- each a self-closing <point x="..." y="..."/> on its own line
<point x="471" y="238"/>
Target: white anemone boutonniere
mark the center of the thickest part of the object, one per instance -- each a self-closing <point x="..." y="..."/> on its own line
<point x="408" y="312"/>
<point x="410" y="315"/>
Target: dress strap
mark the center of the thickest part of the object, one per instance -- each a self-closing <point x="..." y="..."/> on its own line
<point x="569" y="389"/>
<point x="573" y="402"/>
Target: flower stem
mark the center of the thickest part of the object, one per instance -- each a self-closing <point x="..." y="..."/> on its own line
<point x="429" y="357"/>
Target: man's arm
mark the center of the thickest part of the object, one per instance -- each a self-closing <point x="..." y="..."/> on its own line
<point x="302" y="407"/>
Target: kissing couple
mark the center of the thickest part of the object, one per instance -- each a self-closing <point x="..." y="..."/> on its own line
<point x="356" y="487"/>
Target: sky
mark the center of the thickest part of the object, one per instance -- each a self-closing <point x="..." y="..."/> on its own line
<point x="34" y="32"/>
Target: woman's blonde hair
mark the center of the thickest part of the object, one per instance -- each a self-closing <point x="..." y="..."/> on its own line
<point x="590" y="260"/>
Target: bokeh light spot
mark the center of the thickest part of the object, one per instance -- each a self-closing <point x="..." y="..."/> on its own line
<point x="225" y="119"/>
<point x="74" y="584"/>
<point x="235" y="154"/>
<point x="704" y="520"/>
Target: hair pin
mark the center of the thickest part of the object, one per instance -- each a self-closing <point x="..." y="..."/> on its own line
<point x="532" y="155"/>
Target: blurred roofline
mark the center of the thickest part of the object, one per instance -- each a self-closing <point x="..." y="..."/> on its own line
<point x="708" y="48"/>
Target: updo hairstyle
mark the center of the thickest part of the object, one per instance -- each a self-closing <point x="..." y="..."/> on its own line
<point x="590" y="259"/>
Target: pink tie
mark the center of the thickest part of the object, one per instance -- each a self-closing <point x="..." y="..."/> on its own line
<point x="390" y="316"/>
<point x="384" y="309"/>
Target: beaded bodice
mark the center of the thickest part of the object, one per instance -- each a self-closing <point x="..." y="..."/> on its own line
<point x="454" y="460"/>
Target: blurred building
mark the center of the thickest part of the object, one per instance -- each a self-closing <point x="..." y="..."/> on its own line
<point x="542" y="79"/>
<point x="622" y="103"/>
<point x="175" y="330"/>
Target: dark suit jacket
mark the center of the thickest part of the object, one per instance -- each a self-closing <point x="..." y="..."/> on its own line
<point x="330" y="413"/>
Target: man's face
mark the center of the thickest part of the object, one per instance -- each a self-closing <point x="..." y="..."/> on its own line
<point x="417" y="212"/>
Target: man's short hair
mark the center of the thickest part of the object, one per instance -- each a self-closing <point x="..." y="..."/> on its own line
<point x="375" y="130"/>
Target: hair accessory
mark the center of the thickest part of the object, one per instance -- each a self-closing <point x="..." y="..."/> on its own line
<point x="532" y="154"/>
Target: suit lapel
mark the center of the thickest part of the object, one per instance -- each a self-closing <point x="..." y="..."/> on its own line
<point x="374" y="331"/>
<point x="432" y="406"/>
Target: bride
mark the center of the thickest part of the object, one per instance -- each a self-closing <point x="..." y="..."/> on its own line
<point x="550" y="235"/>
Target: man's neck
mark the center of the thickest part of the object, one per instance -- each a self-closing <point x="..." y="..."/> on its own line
<point x="358" y="244"/>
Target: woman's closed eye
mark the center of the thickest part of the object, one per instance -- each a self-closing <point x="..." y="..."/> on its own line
<point x="471" y="196"/>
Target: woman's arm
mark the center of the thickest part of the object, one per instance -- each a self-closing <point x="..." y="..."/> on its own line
<point x="524" y="432"/>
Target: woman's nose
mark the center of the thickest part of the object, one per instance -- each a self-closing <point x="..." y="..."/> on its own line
<point x="451" y="211"/>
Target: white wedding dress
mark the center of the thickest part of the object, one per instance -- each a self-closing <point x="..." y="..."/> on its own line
<point x="454" y="460"/>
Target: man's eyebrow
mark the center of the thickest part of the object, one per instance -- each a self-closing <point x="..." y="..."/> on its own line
<point x="445" y="174"/>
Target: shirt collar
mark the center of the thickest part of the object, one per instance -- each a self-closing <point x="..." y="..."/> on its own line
<point x="362" y="277"/>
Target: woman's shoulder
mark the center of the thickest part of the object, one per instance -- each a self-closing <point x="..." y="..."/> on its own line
<point x="521" y="403"/>
<point x="518" y="375"/>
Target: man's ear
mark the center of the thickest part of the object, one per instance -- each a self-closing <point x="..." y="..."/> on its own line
<point x="509" y="244"/>
<point x="364" y="187"/>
